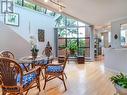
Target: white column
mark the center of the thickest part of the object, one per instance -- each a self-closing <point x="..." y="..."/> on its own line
<point x="91" y="43"/>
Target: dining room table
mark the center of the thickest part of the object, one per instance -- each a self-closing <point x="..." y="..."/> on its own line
<point x="28" y="62"/>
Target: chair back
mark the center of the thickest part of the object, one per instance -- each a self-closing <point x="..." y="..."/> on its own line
<point x="7" y="54"/>
<point x="63" y="61"/>
<point x="9" y="71"/>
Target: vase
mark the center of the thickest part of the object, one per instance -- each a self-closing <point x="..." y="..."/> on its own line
<point x="34" y="55"/>
<point x="120" y="90"/>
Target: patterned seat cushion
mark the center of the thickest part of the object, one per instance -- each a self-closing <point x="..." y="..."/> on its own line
<point x="42" y="62"/>
<point x="26" y="65"/>
<point x="27" y="79"/>
<point x="54" y="69"/>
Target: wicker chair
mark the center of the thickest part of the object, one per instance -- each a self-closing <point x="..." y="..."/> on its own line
<point x="55" y="71"/>
<point x="9" y="54"/>
<point x="14" y="81"/>
<point x="47" y="52"/>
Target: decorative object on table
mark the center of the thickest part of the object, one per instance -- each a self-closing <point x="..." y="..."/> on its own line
<point x="41" y="35"/>
<point x="12" y="19"/>
<point x="48" y="50"/>
<point x="34" y="52"/>
<point x="32" y="40"/>
<point x="120" y="83"/>
<point x="6" y="6"/>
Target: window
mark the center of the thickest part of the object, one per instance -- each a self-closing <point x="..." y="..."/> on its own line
<point x="40" y="9"/>
<point x="50" y="13"/>
<point x="19" y="2"/>
<point x="29" y="5"/>
<point x="34" y="7"/>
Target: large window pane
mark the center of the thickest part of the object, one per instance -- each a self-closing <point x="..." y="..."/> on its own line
<point x="81" y="24"/>
<point x="72" y="33"/>
<point x="61" y="32"/>
<point x="40" y="9"/>
<point x="51" y="13"/>
<point x="71" y="22"/>
<point x="81" y="32"/>
<point x="29" y="5"/>
<point x="19" y="2"/>
<point x="81" y="42"/>
<point x="81" y="51"/>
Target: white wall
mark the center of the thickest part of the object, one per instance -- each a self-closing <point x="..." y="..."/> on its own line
<point x="91" y="44"/>
<point x="115" y="29"/>
<point x="37" y="21"/>
<point x="9" y="40"/>
<point x="116" y="59"/>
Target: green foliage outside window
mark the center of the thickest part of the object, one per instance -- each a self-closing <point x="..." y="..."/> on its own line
<point x="19" y="2"/>
<point x="65" y="21"/>
<point x="81" y="43"/>
<point x="72" y="45"/>
<point x="40" y="9"/>
<point x="81" y="51"/>
<point x="34" y="7"/>
<point x="29" y="5"/>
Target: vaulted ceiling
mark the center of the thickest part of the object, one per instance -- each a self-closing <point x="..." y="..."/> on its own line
<point x="95" y="12"/>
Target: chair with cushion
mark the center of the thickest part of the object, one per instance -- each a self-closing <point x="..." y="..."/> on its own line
<point x="14" y="81"/>
<point x="46" y="59"/>
<point x="9" y="54"/>
<point x="55" y="71"/>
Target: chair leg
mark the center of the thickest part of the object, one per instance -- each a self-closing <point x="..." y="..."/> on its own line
<point x="65" y="75"/>
<point x="64" y="82"/>
<point x="22" y="93"/>
<point x="38" y="84"/>
<point x="25" y="93"/>
<point x="3" y="93"/>
<point x="43" y="75"/>
<point x="45" y="82"/>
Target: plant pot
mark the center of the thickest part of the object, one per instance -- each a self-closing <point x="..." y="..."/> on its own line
<point x="120" y="90"/>
<point x="72" y="52"/>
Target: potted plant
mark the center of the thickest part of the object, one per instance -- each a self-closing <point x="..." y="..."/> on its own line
<point x="34" y="51"/>
<point x="72" y="46"/>
<point x="120" y="83"/>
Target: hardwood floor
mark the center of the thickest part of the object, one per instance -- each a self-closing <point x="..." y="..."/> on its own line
<point x="90" y="78"/>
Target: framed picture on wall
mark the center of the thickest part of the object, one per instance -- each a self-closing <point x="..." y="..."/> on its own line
<point x="12" y="19"/>
<point x="6" y="6"/>
<point x="41" y="35"/>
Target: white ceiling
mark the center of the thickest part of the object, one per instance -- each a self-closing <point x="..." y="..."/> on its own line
<point x="95" y="12"/>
